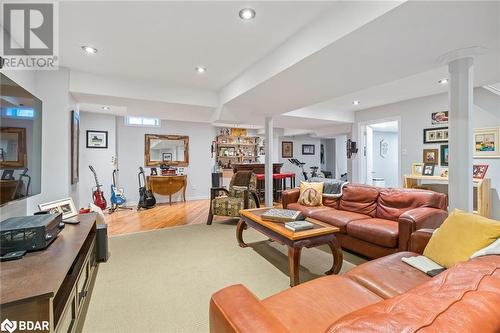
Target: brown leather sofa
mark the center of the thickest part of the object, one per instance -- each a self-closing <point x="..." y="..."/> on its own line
<point x="376" y="221"/>
<point x="383" y="295"/>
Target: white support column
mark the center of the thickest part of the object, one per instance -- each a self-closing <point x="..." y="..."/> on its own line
<point x="269" y="162"/>
<point x="460" y="134"/>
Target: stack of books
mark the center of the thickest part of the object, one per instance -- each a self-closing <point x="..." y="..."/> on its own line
<point x="299" y="225"/>
<point x="281" y="215"/>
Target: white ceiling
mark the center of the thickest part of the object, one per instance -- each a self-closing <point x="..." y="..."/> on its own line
<point x="166" y="40"/>
<point x="301" y="62"/>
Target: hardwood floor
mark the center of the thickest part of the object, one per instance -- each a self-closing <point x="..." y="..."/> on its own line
<point x="162" y="216"/>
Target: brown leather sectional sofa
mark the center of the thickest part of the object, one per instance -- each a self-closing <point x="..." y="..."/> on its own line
<point x="383" y="295"/>
<point x="376" y="221"/>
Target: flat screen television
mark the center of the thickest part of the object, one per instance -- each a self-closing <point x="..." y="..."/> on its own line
<point x="20" y="142"/>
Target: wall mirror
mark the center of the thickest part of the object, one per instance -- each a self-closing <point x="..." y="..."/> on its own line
<point x="13" y="147"/>
<point x="166" y="149"/>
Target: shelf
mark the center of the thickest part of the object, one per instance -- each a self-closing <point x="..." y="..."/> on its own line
<point x="235" y="144"/>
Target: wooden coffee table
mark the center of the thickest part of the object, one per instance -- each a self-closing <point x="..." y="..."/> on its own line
<point x="322" y="233"/>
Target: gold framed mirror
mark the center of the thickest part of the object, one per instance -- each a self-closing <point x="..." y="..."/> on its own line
<point x="172" y="150"/>
<point x="13" y="150"/>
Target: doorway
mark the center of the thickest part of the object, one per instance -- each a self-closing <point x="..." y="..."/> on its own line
<point x="381" y="154"/>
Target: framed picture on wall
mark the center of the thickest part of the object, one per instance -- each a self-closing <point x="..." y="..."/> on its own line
<point x="75" y="141"/>
<point x="97" y="139"/>
<point x="287" y="149"/>
<point x="166" y="157"/>
<point x="308" y="149"/>
<point x="436" y="135"/>
<point x="479" y="171"/>
<point x="439" y="118"/>
<point x="430" y="156"/>
<point x="487" y="142"/>
<point x="444" y="155"/>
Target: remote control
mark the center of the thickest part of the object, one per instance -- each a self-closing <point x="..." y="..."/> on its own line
<point x="12" y="255"/>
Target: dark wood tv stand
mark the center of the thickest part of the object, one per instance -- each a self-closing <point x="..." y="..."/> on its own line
<point x="53" y="285"/>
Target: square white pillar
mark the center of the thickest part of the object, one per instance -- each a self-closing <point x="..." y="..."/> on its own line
<point x="269" y="161"/>
<point x="460" y="134"/>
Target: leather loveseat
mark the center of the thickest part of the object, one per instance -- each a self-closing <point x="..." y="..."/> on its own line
<point x="381" y="296"/>
<point x="375" y="221"/>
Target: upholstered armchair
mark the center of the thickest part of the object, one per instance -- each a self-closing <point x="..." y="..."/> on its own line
<point x="242" y="194"/>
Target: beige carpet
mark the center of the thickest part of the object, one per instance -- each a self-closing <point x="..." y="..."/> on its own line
<point x="161" y="281"/>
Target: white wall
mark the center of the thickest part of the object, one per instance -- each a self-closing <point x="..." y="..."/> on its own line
<point x="415" y="115"/>
<point x="387" y="167"/>
<point x="130" y="152"/>
<point x="52" y="88"/>
<point x="99" y="158"/>
<point x="341" y="164"/>
<point x="310" y="160"/>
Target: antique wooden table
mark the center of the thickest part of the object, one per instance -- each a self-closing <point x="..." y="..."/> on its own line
<point x="322" y="233"/>
<point x="168" y="185"/>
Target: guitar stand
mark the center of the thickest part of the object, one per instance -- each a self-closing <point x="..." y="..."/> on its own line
<point x="114" y="208"/>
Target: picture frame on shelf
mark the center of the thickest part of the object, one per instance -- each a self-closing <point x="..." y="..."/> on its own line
<point x="486" y="142"/>
<point x="430" y="156"/>
<point x="287" y="149"/>
<point x="479" y="171"/>
<point x="308" y="149"/>
<point x="97" y="139"/>
<point x="417" y="168"/>
<point x="443" y="153"/>
<point x="439" y="118"/>
<point x="444" y="173"/>
<point x="65" y="206"/>
<point x="436" y="135"/>
<point x="428" y="169"/>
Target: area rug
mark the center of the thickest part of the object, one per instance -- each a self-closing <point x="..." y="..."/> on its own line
<point x="162" y="280"/>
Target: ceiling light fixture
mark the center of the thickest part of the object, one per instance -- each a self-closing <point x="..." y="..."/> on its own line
<point x="356" y="102"/>
<point x="200" y="69"/>
<point x="247" y="14"/>
<point x="106" y="108"/>
<point x="89" y="49"/>
<point x="443" y="81"/>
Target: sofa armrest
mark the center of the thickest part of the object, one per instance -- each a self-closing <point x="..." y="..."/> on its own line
<point x="418" y="218"/>
<point x="419" y="240"/>
<point x="290" y="196"/>
<point x="236" y="310"/>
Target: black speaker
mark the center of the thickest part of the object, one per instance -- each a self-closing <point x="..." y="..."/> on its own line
<point x="216" y="179"/>
<point x="102" y="242"/>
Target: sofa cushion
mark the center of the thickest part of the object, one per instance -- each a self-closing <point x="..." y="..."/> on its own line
<point x="465" y="298"/>
<point x="377" y="231"/>
<point x="312" y="306"/>
<point x="359" y="199"/>
<point x="306" y="210"/>
<point x="311" y="194"/>
<point x="388" y="276"/>
<point x="392" y="203"/>
<point x="337" y="218"/>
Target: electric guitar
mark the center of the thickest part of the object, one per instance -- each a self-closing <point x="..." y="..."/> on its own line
<point x="146" y="197"/>
<point x="117" y="193"/>
<point x="97" y="193"/>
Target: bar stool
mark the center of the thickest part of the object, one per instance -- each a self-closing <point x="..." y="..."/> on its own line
<point x="261" y="186"/>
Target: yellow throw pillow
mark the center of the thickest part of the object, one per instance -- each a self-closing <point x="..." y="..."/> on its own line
<point x="311" y="194"/>
<point x="460" y="236"/>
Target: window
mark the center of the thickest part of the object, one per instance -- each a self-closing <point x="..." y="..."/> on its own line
<point x="142" y="121"/>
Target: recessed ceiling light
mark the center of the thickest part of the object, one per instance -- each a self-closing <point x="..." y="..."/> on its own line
<point x="443" y="81"/>
<point x="356" y="102"/>
<point x="247" y="14"/>
<point x="200" y="69"/>
<point x="89" y="49"/>
<point x="106" y="108"/>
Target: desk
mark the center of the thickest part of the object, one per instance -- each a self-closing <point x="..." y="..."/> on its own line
<point x="482" y="190"/>
<point x="53" y="285"/>
<point x="168" y="185"/>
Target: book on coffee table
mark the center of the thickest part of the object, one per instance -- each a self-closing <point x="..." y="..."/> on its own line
<point x="299" y="225"/>
<point x="281" y="215"/>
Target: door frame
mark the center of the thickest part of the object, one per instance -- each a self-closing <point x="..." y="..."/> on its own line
<point x="362" y="164"/>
